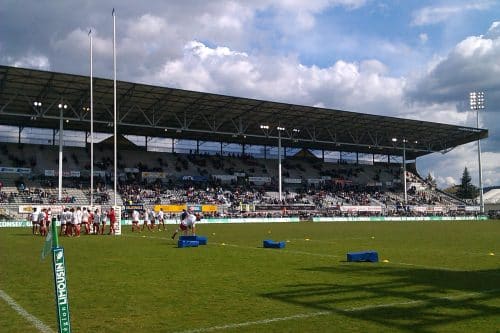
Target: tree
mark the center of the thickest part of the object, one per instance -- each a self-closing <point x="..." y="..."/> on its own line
<point x="466" y="190"/>
<point x="430" y="180"/>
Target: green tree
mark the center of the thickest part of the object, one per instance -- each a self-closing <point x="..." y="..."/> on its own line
<point x="466" y="190"/>
<point x="430" y="180"/>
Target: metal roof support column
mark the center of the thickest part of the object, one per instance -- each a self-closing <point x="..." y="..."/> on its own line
<point x="265" y="152"/>
<point x="243" y="149"/>
<point x="19" y="134"/>
<point x="221" y="148"/>
<point x="173" y="145"/>
<point x="197" y="147"/>
<point x="357" y="158"/>
<point x="404" y="173"/>
<point x="323" y="155"/>
<point x="53" y="136"/>
<point x="146" y="142"/>
<point x="279" y="167"/>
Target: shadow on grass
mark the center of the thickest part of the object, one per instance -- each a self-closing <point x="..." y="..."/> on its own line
<point x="412" y="299"/>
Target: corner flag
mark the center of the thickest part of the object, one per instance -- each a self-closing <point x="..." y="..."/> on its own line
<point x="47" y="246"/>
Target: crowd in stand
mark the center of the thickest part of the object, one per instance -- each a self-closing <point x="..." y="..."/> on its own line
<point x="339" y="186"/>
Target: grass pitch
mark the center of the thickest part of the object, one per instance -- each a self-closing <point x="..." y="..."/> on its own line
<point x="440" y="277"/>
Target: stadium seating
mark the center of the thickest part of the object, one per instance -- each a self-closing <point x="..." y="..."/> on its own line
<point x="326" y="185"/>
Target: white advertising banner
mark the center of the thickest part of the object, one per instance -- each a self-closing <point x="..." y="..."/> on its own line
<point x="361" y="208"/>
<point x="259" y="180"/>
<point x="292" y="181"/>
<point x="225" y="178"/>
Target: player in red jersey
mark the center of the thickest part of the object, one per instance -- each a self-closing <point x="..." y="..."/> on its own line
<point x="112" y="221"/>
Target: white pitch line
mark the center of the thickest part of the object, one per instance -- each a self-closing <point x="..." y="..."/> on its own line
<point x="322" y="313"/>
<point x="257" y="322"/>
<point x="25" y="314"/>
<point x="282" y="251"/>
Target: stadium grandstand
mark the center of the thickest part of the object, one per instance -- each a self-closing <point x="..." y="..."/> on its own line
<point x="244" y="157"/>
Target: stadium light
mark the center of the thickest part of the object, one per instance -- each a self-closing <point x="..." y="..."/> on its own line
<point x="477" y="103"/>
<point x="37" y="104"/>
<point x="265" y="127"/>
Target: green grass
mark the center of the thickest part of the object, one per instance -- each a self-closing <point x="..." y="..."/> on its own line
<point x="439" y="278"/>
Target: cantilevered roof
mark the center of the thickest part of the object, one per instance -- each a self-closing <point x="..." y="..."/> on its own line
<point x="175" y="113"/>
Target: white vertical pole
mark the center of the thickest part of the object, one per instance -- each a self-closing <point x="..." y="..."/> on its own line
<point x="279" y="165"/>
<point x="59" y="195"/>
<point x="404" y="171"/>
<point x="481" y="202"/>
<point x="91" y="126"/>
<point x="114" y="108"/>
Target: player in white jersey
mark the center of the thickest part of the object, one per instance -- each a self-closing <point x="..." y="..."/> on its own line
<point x="62" y="231"/>
<point x="68" y="218"/>
<point x="161" y="220"/>
<point x="78" y="220"/>
<point x="152" y="218"/>
<point x="147" y="220"/>
<point x="189" y="223"/>
<point x="85" y="220"/>
<point x="96" y="221"/>
<point x="34" y="221"/>
<point x="135" y="220"/>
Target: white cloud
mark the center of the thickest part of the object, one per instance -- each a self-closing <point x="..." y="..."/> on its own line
<point x="436" y="14"/>
<point x="356" y="86"/>
<point x="448" y="168"/>
<point x="494" y="30"/>
<point x="37" y="61"/>
<point x="78" y="41"/>
<point x="423" y="37"/>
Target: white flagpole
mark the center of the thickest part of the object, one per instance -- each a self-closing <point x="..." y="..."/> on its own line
<point x="114" y="105"/>
<point x="91" y="126"/>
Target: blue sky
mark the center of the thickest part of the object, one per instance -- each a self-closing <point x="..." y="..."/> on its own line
<point x="410" y="59"/>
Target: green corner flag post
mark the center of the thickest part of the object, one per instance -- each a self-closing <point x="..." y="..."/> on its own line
<point x="60" y="287"/>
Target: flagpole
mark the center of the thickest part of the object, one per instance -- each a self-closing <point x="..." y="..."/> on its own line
<point x="91" y="126"/>
<point x="114" y="105"/>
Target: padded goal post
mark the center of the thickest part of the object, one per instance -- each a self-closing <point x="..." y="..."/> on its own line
<point x="118" y="225"/>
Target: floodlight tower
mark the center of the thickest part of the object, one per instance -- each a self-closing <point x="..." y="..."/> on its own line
<point x="477" y="103"/>
<point x="280" y="187"/>
<point x="61" y="107"/>
<point x="404" y="168"/>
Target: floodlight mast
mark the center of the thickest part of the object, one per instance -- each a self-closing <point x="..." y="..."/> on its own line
<point x="394" y="140"/>
<point x="61" y="107"/>
<point x="280" y="181"/>
<point x="477" y="103"/>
